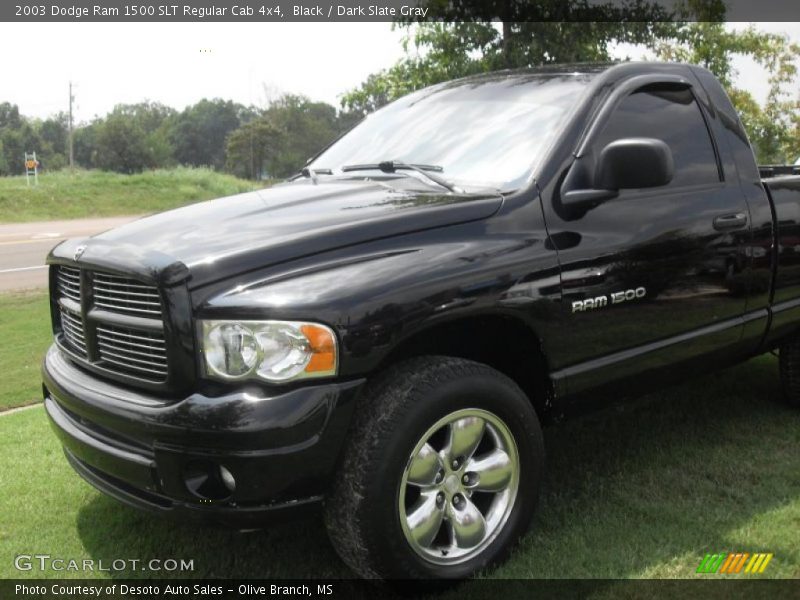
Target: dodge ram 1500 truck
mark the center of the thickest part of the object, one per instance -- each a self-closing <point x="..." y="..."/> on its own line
<point x="382" y="335"/>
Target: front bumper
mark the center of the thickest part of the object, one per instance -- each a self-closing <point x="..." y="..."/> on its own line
<point x="281" y="449"/>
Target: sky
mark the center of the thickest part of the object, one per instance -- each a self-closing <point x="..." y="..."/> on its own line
<point x="177" y="64"/>
<point x="180" y="63"/>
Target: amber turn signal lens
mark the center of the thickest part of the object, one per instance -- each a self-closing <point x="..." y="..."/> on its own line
<point x="323" y="348"/>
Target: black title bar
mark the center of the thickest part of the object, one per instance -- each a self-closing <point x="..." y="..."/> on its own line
<point x="484" y="589"/>
<point x="393" y="10"/>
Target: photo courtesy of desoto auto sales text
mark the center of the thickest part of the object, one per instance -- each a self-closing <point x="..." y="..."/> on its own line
<point x="400" y="299"/>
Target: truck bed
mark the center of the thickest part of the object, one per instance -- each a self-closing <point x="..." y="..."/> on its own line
<point x="782" y="184"/>
<point x="770" y="171"/>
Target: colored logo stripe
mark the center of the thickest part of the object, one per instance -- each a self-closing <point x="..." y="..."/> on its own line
<point x="734" y="562"/>
<point x="758" y="563"/>
<point x="711" y="563"/>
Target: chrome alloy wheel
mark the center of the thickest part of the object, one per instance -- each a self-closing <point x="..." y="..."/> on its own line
<point x="459" y="486"/>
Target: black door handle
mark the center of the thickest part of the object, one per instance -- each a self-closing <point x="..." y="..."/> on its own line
<point x="728" y="222"/>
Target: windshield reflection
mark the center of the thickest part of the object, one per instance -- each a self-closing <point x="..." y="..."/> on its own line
<point x="486" y="132"/>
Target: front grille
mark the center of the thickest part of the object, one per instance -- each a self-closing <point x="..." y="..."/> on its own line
<point x="118" y="327"/>
<point x="124" y="295"/>
<point x="69" y="283"/>
<point x="138" y="352"/>
<point x="74" y="335"/>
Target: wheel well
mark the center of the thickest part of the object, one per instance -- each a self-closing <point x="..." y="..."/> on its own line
<point x="504" y="343"/>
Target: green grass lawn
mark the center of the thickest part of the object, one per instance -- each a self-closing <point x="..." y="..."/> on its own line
<point x="25" y="334"/>
<point x="65" y="195"/>
<point x="642" y="490"/>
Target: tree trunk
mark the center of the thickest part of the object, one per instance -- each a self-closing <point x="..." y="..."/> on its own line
<point x="507" y="44"/>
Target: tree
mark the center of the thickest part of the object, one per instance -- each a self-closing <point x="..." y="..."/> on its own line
<point x="121" y="145"/>
<point x="16" y="141"/>
<point x="150" y="116"/>
<point x="793" y="145"/>
<point x="496" y="34"/>
<point x="19" y="135"/>
<point x="10" y="124"/>
<point x="250" y="147"/>
<point x="84" y="143"/>
<point x="289" y="132"/>
<point x="313" y="125"/>
<point x="480" y="36"/>
<point x="772" y="128"/>
<point x="3" y="163"/>
<point x="53" y="134"/>
<point x="198" y="133"/>
<point x="9" y="116"/>
<point x="133" y="137"/>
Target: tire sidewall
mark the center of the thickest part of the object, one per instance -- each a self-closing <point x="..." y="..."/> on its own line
<point x="494" y="394"/>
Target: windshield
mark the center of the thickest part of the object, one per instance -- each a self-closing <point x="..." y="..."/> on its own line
<point x="488" y="132"/>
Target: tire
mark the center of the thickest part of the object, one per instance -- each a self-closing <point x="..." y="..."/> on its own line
<point x="789" y="362"/>
<point x="412" y="410"/>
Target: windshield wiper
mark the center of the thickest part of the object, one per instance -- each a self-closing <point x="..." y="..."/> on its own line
<point x="312" y="173"/>
<point x="391" y="166"/>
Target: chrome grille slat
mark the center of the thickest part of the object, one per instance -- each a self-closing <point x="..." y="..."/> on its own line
<point x="125" y="296"/>
<point x="69" y="322"/>
<point x="73" y="330"/>
<point x="120" y="281"/>
<point x="69" y="282"/>
<point x="114" y="340"/>
<point x="135" y="367"/>
<point x="74" y="334"/>
<point x="72" y="317"/>
<point x="133" y="336"/>
<point x="105" y="353"/>
<point x="153" y="297"/>
<point x="113" y="348"/>
<point x="76" y="339"/>
<point x="76" y="343"/>
<point x="112" y="298"/>
<point x="71" y="289"/>
<point x="133" y="351"/>
<point x="77" y="346"/>
<point x="114" y="330"/>
<point x="117" y="308"/>
<point x="69" y="279"/>
<point x="69" y="272"/>
<point x="126" y="286"/>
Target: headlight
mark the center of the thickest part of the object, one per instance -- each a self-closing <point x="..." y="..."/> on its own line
<point x="275" y="351"/>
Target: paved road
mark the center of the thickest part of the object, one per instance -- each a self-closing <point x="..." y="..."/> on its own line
<point x="24" y="246"/>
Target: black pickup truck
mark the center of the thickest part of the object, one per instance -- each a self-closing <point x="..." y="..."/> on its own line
<point x="382" y="336"/>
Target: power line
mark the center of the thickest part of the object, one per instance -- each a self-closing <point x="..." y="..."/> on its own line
<point x="71" y="154"/>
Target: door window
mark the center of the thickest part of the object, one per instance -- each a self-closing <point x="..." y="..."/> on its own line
<point x="670" y="114"/>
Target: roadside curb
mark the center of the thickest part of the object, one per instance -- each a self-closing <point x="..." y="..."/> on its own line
<point x="19" y="409"/>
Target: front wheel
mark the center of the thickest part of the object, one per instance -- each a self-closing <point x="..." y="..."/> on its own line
<point x="441" y="472"/>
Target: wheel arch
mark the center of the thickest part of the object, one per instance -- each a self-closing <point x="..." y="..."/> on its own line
<point x="504" y="342"/>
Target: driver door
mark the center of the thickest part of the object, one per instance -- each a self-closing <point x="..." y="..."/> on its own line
<point x="654" y="264"/>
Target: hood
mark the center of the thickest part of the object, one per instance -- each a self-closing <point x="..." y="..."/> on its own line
<point x="221" y="238"/>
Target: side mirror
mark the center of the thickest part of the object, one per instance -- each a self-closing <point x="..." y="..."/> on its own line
<point x="633" y="163"/>
<point x="629" y="163"/>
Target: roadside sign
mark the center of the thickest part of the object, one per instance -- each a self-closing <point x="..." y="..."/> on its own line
<point x="31" y="168"/>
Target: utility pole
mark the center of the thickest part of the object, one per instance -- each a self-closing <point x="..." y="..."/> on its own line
<point x="71" y="155"/>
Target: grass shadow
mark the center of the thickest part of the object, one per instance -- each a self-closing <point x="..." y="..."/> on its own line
<point x="642" y="489"/>
<point x="647" y="487"/>
<point x="292" y="549"/>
